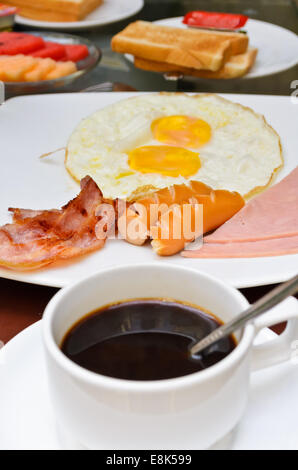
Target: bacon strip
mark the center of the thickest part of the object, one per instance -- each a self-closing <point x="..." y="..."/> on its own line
<point x="39" y="238"/>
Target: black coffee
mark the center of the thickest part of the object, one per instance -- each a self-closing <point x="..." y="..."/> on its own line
<point x="144" y="340"/>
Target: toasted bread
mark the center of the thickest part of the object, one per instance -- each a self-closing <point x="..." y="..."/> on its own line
<point x="55" y="10"/>
<point x="237" y="66"/>
<point x="190" y="48"/>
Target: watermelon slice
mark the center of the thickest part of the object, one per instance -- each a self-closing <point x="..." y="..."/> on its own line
<point x="51" y="50"/>
<point x="12" y="43"/>
<point x="10" y="35"/>
<point x="76" y="52"/>
<point x="19" y="43"/>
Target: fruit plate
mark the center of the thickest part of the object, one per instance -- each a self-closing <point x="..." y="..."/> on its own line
<point x="83" y="66"/>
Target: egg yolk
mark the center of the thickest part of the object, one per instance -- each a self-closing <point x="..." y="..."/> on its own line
<point x="183" y="131"/>
<point x="165" y="160"/>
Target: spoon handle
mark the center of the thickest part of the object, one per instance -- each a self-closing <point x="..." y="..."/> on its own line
<point x="269" y="300"/>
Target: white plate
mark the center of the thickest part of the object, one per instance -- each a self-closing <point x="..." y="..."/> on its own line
<point x="277" y="47"/>
<point x="28" y="422"/>
<point x="34" y="125"/>
<point x="110" y="11"/>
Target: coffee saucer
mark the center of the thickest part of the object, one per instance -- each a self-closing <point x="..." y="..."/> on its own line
<point x="28" y="420"/>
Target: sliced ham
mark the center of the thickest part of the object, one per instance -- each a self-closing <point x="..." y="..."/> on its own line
<point x="266" y="226"/>
<point x="272" y="214"/>
<point x="271" y="247"/>
<point x="38" y="238"/>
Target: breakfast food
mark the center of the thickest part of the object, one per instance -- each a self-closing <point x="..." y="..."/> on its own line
<point x="218" y="206"/>
<point x="236" y="66"/>
<point x="266" y="226"/>
<point x="61" y="52"/>
<point x="27" y="58"/>
<point x="262" y="248"/>
<point x="38" y="238"/>
<point x="206" y="53"/>
<point x="50" y="50"/>
<point x="23" y="68"/>
<point x="183" y="47"/>
<point x="157" y="164"/>
<point x="61" y="69"/>
<point x="12" y="43"/>
<point x="55" y="10"/>
<point x="154" y="141"/>
<point x="75" y="52"/>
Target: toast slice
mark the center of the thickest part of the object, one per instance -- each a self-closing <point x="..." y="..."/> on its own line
<point x="55" y="10"/>
<point x="237" y="66"/>
<point x="190" y="48"/>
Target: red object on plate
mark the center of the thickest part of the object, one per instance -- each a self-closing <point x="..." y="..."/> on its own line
<point x="12" y="43"/>
<point x="19" y="43"/>
<point x="76" y="52"/>
<point x="56" y="51"/>
<point x="206" y="19"/>
<point x="50" y="49"/>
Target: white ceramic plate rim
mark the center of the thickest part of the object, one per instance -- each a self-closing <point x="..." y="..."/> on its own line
<point x="136" y="6"/>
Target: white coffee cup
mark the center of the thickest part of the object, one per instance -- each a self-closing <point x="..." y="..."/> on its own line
<point x="190" y="412"/>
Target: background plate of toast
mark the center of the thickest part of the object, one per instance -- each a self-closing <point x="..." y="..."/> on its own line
<point x="107" y="11"/>
<point x="271" y="49"/>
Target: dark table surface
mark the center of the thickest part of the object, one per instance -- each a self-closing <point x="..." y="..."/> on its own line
<point x="22" y="304"/>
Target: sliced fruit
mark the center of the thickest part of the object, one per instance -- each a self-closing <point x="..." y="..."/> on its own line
<point x="19" y="43"/>
<point x="40" y="70"/>
<point x="51" y="50"/>
<point x="76" y="52"/>
<point x="21" y="68"/>
<point x="13" y="69"/>
<point x="61" y="70"/>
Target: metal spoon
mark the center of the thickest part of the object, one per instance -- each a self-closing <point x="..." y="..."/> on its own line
<point x="269" y="300"/>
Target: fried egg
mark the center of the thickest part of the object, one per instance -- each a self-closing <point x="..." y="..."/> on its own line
<point x="153" y="141"/>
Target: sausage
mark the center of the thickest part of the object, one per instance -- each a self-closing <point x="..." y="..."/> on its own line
<point x="166" y="211"/>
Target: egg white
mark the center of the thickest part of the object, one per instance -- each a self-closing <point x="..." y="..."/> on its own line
<point x="242" y="154"/>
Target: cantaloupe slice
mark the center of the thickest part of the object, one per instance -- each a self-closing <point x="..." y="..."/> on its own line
<point x="41" y="69"/>
<point x="14" y="68"/>
<point x="62" y="69"/>
<point x="21" y="68"/>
